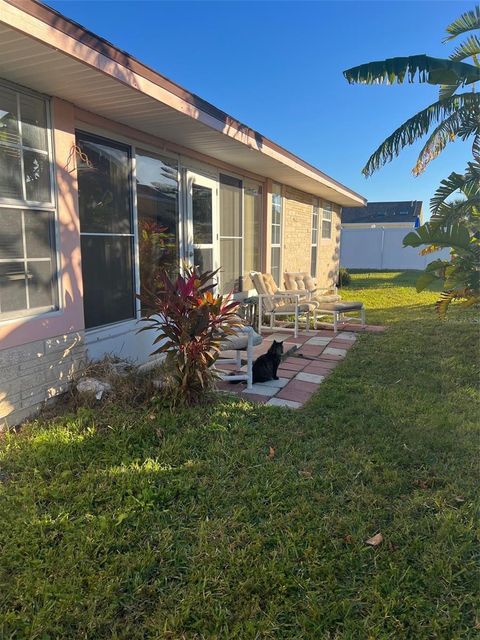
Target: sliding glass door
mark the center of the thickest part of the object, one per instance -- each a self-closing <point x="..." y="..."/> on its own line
<point x="231" y="234"/>
<point x="157" y="213"/>
<point x="224" y="228"/>
<point x="201" y="232"/>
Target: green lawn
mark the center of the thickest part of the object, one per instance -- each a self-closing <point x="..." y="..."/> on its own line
<point x="125" y="524"/>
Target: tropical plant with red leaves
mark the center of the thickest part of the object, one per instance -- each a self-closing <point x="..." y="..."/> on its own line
<point x="190" y="322"/>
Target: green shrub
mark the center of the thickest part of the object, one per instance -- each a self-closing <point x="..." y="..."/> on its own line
<point x="344" y="278"/>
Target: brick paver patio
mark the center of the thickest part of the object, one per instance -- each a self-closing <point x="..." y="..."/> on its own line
<point x="311" y="357"/>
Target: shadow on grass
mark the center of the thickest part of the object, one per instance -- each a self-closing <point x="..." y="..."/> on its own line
<point x="119" y="523"/>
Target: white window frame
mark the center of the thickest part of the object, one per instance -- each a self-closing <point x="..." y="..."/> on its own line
<point x="247" y="183"/>
<point x="241" y="237"/>
<point x="253" y="184"/>
<point x="277" y="189"/>
<point x="30" y="205"/>
<point x="315" y="229"/>
<point x="327" y="208"/>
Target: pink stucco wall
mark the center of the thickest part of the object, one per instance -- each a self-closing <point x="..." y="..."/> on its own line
<point x="69" y="317"/>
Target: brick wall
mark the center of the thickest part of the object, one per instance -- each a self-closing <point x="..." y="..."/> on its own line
<point x="297" y="237"/>
<point x="297" y="230"/>
<point x="328" y="260"/>
<point x="35" y="372"/>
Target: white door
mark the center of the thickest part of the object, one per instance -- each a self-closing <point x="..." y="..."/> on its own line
<point x="201" y="228"/>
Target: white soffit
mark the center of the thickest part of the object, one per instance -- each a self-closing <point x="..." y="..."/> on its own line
<point x="91" y="81"/>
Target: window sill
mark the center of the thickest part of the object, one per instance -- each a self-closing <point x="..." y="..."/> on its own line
<point x="37" y="314"/>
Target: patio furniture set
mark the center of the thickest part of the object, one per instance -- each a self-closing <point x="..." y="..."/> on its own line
<point x="300" y="300"/>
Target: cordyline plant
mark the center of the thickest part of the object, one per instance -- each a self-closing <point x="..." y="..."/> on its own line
<point x="190" y="322"/>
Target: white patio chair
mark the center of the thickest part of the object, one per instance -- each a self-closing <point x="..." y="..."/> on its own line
<point x="276" y="303"/>
<point x="242" y="340"/>
<point x="329" y="302"/>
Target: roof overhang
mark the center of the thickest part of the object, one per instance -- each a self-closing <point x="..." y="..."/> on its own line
<point x="42" y="50"/>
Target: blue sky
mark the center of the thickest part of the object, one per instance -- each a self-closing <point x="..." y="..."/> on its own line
<point x="277" y="66"/>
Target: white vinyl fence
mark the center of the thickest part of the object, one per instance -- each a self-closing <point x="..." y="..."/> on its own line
<point x="382" y="248"/>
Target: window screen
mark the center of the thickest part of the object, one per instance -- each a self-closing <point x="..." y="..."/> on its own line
<point x="104" y="194"/>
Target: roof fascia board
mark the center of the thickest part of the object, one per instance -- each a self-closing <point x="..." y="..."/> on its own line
<point x="19" y="15"/>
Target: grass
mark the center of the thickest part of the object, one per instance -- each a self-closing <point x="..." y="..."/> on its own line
<point x="142" y="524"/>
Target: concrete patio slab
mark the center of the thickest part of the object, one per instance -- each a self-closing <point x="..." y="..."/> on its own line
<point x="280" y="402"/>
<point x="346" y="335"/>
<point x="309" y="377"/>
<point x="279" y="384"/>
<point x="261" y="390"/>
<point x="322" y="340"/>
<point x="331" y="351"/>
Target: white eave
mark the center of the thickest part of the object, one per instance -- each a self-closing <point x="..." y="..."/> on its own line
<point x="44" y="51"/>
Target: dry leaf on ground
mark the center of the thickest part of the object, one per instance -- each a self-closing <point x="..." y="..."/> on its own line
<point x="271" y="453"/>
<point x="375" y="540"/>
<point x="306" y="473"/>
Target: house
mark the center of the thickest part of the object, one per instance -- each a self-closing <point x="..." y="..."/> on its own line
<point x="108" y="169"/>
<point x="372" y="236"/>
<point x="391" y="215"/>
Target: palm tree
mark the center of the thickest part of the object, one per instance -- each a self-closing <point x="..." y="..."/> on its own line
<point x="455" y="223"/>
<point x="454" y="114"/>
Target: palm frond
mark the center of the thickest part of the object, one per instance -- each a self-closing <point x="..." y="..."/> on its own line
<point x="468" y="49"/>
<point x="456" y="182"/>
<point x="476" y="147"/>
<point x="455" y="236"/>
<point x="447" y="90"/>
<point x="416" y="127"/>
<point x="434" y="271"/>
<point x="447" y="297"/>
<point x="461" y="123"/>
<point x="420" y="68"/>
<point x="466" y="22"/>
<point x="459" y="211"/>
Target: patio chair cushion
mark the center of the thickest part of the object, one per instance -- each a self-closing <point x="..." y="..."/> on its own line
<point x="270" y="284"/>
<point x="299" y="280"/>
<point x="265" y="285"/>
<point x="341" y="306"/>
<point x="294" y="280"/>
<point x="310" y="283"/>
<point x="328" y="297"/>
<point x="239" y="341"/>
<point x="303" y="307"/>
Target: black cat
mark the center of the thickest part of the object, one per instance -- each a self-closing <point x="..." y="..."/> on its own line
<point x="265" y="367"/>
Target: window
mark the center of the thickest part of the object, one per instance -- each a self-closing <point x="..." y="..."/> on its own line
<point x="27" y="211"/>
<point x="252" y="230"/>
<point x="157" y="211"/>
<point x="276" y="237"/>
<point x="327" y="211"/>
<point x="104" y="194"/>
<point x="313" y="255"/>
<point x="231" y="234"/>
<point x="241" y="213"/>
